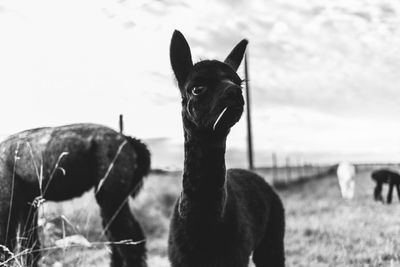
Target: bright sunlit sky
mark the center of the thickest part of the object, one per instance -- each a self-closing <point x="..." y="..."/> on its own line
<point x="323" y="73"/>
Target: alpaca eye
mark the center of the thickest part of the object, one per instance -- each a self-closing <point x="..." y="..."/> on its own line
<point x="197" y="90"/>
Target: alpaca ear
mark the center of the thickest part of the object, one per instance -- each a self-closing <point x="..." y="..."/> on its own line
<point x="180" y="56"/>
<point x="236" y="55"/>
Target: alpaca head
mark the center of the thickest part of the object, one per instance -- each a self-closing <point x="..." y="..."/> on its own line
<point x="212" y="100"/>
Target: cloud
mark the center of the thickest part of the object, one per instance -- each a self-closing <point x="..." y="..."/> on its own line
<point x="317" y="68"/>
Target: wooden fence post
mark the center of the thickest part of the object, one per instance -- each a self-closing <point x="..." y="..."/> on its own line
<point x="274" y="168"/>
<point x="121" y="123"/>
<point x="288" y="174"/>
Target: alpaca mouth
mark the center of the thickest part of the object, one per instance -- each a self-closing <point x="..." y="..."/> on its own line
<point x="229" y="113"/>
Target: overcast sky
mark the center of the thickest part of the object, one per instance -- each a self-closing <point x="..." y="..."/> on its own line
<point x="324" y="74"/>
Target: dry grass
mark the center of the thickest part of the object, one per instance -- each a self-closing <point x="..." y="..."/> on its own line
<point x="322" y="229"/>
<point x="152" y="208"/>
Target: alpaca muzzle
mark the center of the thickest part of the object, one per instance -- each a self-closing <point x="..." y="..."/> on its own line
<point x="219" y="118"/>
<point x="232" y="96"/>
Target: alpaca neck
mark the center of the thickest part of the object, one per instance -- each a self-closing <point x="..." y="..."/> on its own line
<point x="204" y="190"/>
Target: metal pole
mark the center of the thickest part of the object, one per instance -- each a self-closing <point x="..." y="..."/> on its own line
<point x="249" y="135"/>
<point x="121" y="123"/>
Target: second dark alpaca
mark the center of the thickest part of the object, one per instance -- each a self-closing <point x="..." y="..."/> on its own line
<point x="61" y="163"/>
<point x="221" y="217"/>
<point x="385" y="176"/>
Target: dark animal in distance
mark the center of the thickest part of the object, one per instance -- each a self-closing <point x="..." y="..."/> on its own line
<point x="221" y="217"/>
<point x="61" y="163"/>
<point x="385" y="176"/>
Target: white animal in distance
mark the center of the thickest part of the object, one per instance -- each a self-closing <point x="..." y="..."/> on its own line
<point x="345" y="173"/>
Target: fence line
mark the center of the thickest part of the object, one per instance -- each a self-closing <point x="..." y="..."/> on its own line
<point x="291" y="169"/>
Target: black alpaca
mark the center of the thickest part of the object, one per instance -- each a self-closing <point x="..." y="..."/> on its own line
<point x="221" y="217"/>
<point x="62" y="163"/>
<point x="384" y="176"/>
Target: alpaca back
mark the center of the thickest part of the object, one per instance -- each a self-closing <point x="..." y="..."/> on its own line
<point x="385" y="176"/>
<point x="251" y="200"/>
<point x="74" y="158"/>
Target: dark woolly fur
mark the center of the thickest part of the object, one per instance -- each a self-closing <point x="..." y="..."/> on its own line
<point x="385" y="176"/>
<point x="73" y="159"/>
<point x="143" y="161"/>
<point x="222" y="216"/>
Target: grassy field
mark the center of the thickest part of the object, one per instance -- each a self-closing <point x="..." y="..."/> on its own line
<point x="322" y="229"/>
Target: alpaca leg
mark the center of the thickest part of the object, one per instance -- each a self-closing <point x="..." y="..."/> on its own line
<point x="390" y="193"/>
<point x="398" y="190"/>
<point x="116" y="258"/>
<point x="121" y="225"/>
<point x="30" y="236"/>
<point x="9" y="218"/>
<point x="378" y="192"/>
<point x="270" y="252"/>
<point x="8" y="232"/>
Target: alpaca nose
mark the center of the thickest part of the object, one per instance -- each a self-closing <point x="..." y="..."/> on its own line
<point x="232" y="91"/>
